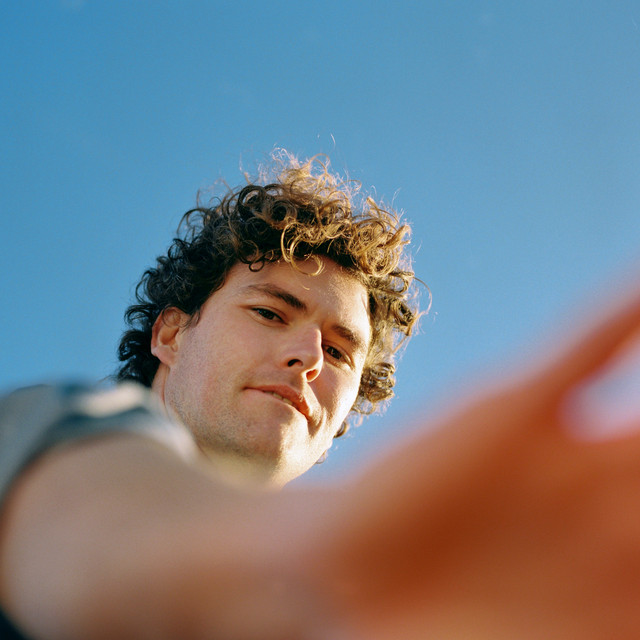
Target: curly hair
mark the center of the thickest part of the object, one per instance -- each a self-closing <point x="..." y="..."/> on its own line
<point x="305" y="212"/>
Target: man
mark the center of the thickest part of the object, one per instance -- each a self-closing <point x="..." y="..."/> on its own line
<point x="289" y="294"/>
<point x="501" y="524"/>
<point x="274" y="315"/>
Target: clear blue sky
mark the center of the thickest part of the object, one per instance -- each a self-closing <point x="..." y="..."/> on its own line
<point x="508" y="133"/>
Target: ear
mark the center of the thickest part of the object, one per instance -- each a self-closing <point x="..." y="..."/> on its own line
<point x="166" y="334"/>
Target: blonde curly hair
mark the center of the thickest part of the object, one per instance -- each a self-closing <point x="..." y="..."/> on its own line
<point x="296" y="210"/>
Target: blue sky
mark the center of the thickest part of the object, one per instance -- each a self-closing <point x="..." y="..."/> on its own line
<point x="508" y="133"/>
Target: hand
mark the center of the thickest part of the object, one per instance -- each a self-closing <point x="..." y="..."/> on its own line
<point x="500" y="523"/>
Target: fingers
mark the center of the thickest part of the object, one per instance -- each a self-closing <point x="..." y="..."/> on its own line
<point x="596" y="344"/>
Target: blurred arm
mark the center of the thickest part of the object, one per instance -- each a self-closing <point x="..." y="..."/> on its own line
<point x="494" y="523"/>
<point x="119" y="537"/>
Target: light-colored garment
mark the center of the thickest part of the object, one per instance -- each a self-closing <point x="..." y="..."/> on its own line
<point x="34" y="419"/>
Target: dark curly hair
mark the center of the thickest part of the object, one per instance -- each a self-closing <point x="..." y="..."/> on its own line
<point x="305" y="211"/>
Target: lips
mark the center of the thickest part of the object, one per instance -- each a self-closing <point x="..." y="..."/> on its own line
<point x="287" y="395"/>
<point x="277" y="395"/>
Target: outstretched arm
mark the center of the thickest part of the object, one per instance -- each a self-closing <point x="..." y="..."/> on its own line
<point x="119" y="538"/>
<point x="498" y="523"/>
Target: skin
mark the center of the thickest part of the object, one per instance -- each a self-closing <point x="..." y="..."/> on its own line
<point x="269" y="371"/>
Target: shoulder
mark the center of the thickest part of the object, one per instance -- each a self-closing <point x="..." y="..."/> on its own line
<point x="37" y="418"/>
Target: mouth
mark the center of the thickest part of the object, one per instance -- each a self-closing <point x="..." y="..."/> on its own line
<point x="288" y="396"/>
<point x="277" y="395"/>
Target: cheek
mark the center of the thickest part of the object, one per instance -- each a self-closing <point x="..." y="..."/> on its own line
<point x="194" y="371"/>
<point x="344" y="395"/>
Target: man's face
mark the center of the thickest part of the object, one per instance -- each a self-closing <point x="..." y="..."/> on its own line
<point x="272" y="367"/>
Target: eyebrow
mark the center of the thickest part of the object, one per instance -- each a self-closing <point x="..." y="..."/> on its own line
<point x="274" y="291"/>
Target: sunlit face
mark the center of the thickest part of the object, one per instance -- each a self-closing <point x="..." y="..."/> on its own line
<point x="272" y="367"/>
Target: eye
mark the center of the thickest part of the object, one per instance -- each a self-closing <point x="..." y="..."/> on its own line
<point x="336" y="354"/>
<point x="267" y="314"/>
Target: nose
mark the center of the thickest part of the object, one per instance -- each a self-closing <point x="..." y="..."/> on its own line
<point x="303" y="352"/>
